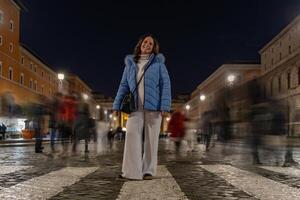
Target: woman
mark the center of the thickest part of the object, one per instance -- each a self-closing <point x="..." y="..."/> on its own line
<point x="153" y="98"/>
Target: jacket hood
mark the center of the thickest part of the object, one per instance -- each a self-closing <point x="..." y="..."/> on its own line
<point x="159" y="58"/>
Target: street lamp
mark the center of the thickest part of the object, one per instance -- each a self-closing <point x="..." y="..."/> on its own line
<point x="202" y="97"/>
<point x="168" y="119"/>
<point x="85" y="96"/>
<point x="60" y="76"/>
<point x="231" y="78"/>
<point x="97" y="107"/>
<point x="187" y="107"/>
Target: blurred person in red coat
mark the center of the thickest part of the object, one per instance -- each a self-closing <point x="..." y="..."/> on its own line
<point x="176" y="127"/>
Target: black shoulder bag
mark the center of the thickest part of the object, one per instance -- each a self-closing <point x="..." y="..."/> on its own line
<point x="128" y="102"/>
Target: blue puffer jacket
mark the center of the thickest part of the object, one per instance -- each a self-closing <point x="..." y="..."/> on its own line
<point x="157" y="85"/>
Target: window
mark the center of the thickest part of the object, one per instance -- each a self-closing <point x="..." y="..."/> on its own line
<point x="10" y="73"/>
<point x="49" y="78"/>
<point x="22" y="79"/>
<point x="0" y="68"/>
<point x="42" y="89"/>
<point x="11" y="47"/>
<point x="288" y="80"/>
<point x="35" y="85"/>
<point x="1" y="40"/>
<point x="298" y="75"/>
<point x="42" y="74"/>
<point x="279" y="83"/>
<point x="280" y="56"/>
<point x="11" y="25"/>
<point x="1" y="17"/>
<point x="290" y="49"/>
<point x="30" y="84"/>
<point x="22" y="60"/>
<point x="35" y="69"/>
<point x="31" y="65"/>
<point x="271" y="87"/>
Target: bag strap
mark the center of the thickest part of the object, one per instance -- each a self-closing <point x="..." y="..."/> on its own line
<point x="146" y="67"/>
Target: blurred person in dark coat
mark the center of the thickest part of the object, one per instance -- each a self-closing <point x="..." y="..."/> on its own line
<point x="83" y="125"/>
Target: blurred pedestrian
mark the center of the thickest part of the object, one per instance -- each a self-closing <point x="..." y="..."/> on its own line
<point x="190" y="134"/>
<point x="176" y="127"/>
<point x="83" y="125"/>
<point x="53" y="117"/>
<point x="38" y="112"/>
<point x="153" y="98"/>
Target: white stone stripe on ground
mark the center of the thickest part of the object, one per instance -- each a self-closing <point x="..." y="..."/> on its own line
<point x="46" y="186"/>
<point x="291" y="171"/>
<point x="11" y="169"/>
<point x="163" y="186"/>
<point x="254" y="184"/>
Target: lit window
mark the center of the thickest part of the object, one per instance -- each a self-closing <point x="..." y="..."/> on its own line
<point x="11" y="47"/>
<point x="10" y="73"/>
<point x="11" y="25"/>
<point x="22" y="60"/>
<point x="22" y="79"/>
<point x="1" y="17"/>
<point x="1" y="40"/>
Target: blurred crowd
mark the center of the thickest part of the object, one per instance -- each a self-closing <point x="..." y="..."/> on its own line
<point x="64" y="117"/>
<point x="245" y="114"/>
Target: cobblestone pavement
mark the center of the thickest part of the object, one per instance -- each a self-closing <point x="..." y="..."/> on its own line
<point x="189" y="174"/>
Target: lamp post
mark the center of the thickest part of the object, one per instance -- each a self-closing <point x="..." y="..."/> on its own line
<point x="97" y="112"/>
<point x="105" y="114"/>
<point x="60" y="77"/>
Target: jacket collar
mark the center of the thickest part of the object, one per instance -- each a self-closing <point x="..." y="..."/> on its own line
<point x="158" y="58"/>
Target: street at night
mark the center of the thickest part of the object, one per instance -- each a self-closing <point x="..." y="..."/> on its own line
<point x="224" y="172"/>
<point x="157" y="100"/>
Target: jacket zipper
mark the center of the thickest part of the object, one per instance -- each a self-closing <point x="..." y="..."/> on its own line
<point x="148" y="65"/>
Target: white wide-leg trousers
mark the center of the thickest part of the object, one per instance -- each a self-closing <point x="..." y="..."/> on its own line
<point x="137" y="159"/>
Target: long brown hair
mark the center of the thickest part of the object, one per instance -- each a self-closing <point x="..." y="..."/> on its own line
<point x="137" y="48"/>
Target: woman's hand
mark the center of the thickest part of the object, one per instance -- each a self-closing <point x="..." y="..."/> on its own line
<point x="116" y="113"/>
<point x="163" y="113"/>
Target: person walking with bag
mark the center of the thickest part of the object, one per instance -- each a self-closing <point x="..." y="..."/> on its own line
<point x="145" y="94"/>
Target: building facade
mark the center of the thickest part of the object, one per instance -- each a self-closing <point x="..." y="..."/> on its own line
<point x="227" y="76"/>
<point x="280" y="59"/>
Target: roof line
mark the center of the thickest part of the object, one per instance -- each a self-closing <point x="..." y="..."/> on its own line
<point x="37" y="56"/>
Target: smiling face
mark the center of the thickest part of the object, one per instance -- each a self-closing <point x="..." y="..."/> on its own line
<point x="147" y="45"/>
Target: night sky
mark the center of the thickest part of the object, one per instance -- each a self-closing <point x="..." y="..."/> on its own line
<point x="91" y="38"/>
